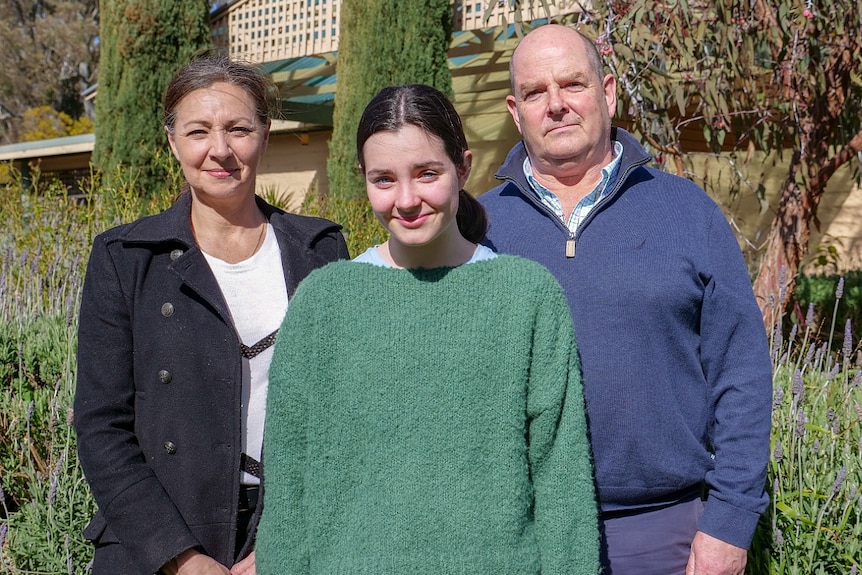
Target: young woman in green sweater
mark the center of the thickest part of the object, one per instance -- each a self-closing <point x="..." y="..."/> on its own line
<point x="425" y="411"/>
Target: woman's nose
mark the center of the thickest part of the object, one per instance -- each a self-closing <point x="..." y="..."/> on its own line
<point x="407" y="198"/>
<point x="219" y="145"/>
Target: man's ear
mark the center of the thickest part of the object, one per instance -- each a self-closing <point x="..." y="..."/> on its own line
<point x="609" y="85"/>
<point x="513" y="111"/>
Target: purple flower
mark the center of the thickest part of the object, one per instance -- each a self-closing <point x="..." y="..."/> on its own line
<point x="816" y="446"/>
<point x="52" y="494"/>
<point x="30" y="410"/>
<point x="793" y="331"/>
<point x="778" y="452"/>
<point x="809" y="316"/>
<point x="809" y="355"/>
<point x="798" y="385"/>
<point x="847" y="348"/>
<point x="839" y="291"/>
<point x="779" y="537"/>
<point x="839" y="481"/>
<point x="801" y="420"/>
<point x="3" y="529"/>
<point x="779" y="398"/>
<point x="832" y="418"/>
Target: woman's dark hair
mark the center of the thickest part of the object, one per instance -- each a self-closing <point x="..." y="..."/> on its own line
<point x="209" y="68"/>
<point x="429" y="109"/>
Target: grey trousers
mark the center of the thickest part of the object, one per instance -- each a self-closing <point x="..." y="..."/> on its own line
<point x="650" y="543"/>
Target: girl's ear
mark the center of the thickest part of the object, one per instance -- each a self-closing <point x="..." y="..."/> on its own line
<point x="466" y="166"/>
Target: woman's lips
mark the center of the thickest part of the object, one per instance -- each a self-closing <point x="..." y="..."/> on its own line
<point x="221" y="172"/>
<point x="412" y="222"/>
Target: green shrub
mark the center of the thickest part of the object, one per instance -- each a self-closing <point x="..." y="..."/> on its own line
<point x="46" y="237"/>
<point x="360" y="227"/>
<point x="820" y="291"/>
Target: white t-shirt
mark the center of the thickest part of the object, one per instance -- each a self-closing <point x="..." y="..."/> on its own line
<point x="372" y="256"/>
<point x="256" y="295"/>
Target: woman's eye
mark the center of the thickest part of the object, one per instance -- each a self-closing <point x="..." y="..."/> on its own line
<point x="197" y="134"/>
<point x="240" y="130"/>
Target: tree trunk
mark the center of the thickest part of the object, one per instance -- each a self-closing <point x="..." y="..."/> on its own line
<point x="787" y="242"/>
<point x="786" y="245"/>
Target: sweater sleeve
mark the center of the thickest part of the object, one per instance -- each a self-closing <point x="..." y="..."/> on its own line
<point x="736" y="363"/>
<point x="566" y="514"/>
<point x="282" y="545"/>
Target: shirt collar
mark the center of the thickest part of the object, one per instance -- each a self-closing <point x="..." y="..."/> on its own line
<point x="609" y="174"/>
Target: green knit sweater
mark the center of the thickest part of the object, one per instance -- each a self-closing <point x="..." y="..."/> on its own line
<point x="427" y="421"/>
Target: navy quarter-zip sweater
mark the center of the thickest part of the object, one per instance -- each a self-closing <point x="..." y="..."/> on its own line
<point x="677" y="374"/>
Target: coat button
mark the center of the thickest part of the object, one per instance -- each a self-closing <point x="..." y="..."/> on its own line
<point x="170" y="447"/>
<point x="167" y="309"/>
<point x="165" y="376"/>
<point x="176" y="254"/>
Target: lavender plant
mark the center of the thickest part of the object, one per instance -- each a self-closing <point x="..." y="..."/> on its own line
<point x="814" y="522"/>
<point x="45" y="237"/>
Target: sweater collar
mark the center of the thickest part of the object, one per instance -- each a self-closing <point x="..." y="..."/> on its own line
<point x="633" y="155"/>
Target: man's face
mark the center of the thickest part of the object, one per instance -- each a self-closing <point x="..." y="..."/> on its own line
<point x="562" y="108"/>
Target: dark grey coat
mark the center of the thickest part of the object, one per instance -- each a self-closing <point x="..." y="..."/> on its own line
<point x="157" y="404"/>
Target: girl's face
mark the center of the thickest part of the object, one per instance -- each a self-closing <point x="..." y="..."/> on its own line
<point x="219" y="140"/>
<point x="413" y="186"/>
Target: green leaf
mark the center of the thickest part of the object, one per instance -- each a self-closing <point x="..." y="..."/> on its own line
<point x="680" y="98"/>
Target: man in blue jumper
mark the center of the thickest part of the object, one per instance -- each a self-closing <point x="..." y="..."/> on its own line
<point x="677" y="373"/>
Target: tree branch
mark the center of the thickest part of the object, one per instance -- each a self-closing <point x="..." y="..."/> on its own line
<point x="853" y="147"/>
<point x="670" y="150"/>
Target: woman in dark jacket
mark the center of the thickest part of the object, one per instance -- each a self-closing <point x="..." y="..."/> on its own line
<point x="178" y="314"/>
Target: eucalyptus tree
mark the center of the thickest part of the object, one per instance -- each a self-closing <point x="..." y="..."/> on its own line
<point x="779" y="76"/>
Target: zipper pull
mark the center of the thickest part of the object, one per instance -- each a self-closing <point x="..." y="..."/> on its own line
<point x="570" y="247"/>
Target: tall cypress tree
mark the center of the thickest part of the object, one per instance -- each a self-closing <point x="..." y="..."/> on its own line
<point x="382" y="43"/>
<point x="143" y="43"/>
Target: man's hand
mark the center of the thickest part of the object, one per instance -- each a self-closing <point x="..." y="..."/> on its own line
<point x="244" y="567"/>
<point x="711" y="556"/>
<point x="192" y="562"/>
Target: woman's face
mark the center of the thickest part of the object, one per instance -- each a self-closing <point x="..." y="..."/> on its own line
<point x="413" y="185"/>
<point x="218" y="140"/>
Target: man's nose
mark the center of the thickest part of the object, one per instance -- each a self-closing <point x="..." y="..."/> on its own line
<point x="556" y="104"/>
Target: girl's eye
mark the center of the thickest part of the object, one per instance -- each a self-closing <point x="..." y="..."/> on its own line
<point x="428" y="175"/>
<point x="382" y="181"/>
